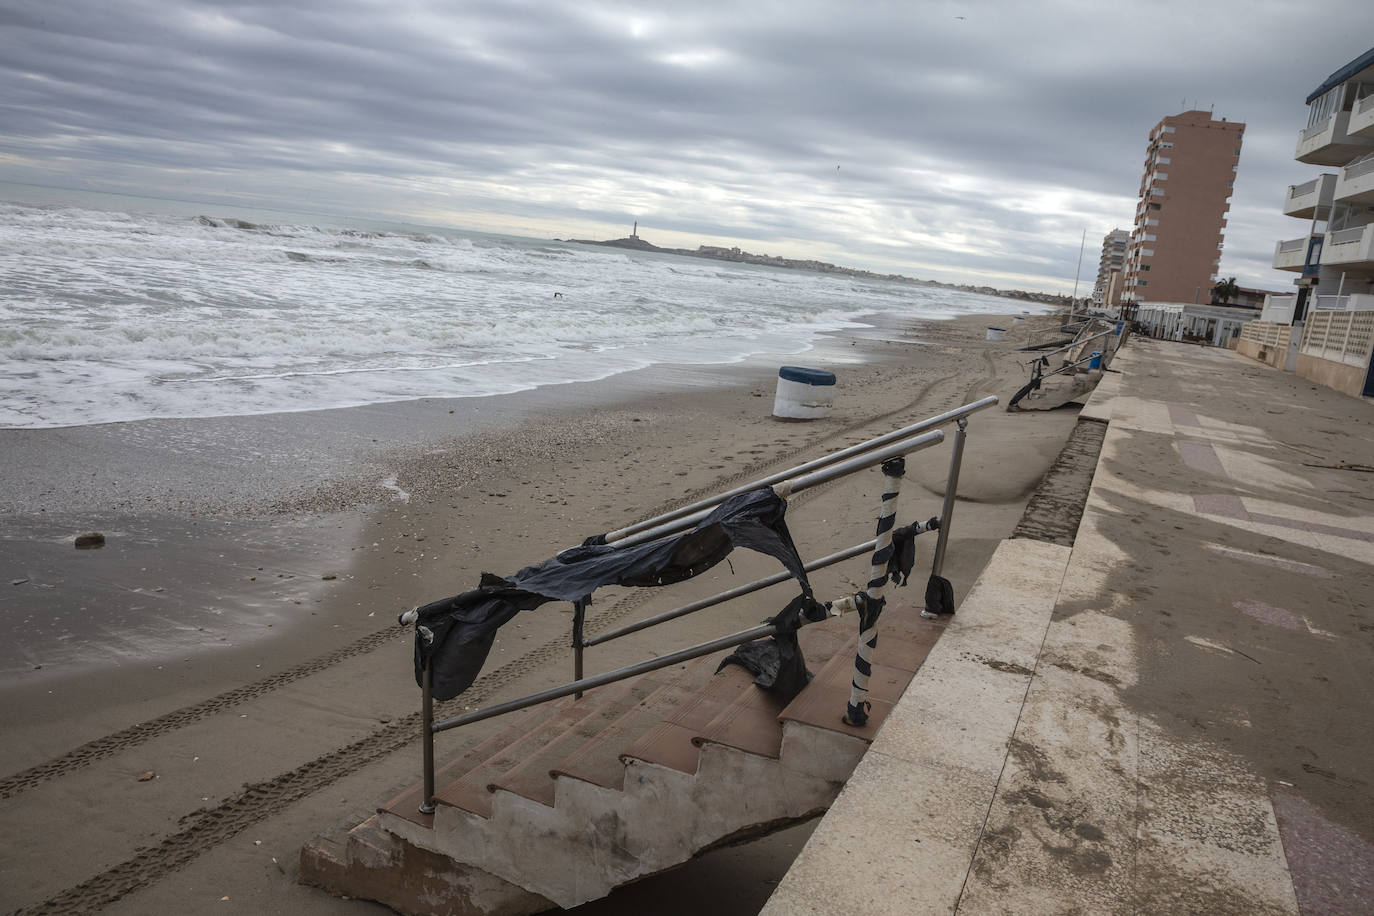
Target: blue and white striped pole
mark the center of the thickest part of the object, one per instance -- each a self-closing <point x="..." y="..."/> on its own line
<point x="871" y="601"/>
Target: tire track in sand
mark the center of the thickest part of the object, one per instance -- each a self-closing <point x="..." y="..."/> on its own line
<point x="124" y="739"/>
<point x="256" y="801"/>
<point x="210" y="827"/>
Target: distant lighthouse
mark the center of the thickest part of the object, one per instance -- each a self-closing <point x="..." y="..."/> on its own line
<point x="634" y="233"/>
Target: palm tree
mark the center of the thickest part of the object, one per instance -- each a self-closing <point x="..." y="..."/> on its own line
<point x="1226" y="290"/>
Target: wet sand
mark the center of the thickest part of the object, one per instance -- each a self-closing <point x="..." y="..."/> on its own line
<point x="235" y="629"/>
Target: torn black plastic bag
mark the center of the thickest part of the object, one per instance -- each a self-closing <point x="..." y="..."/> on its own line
<point x="455" y="634"/>
<point x="777" y="662"/>
<point x="903" y="558"/>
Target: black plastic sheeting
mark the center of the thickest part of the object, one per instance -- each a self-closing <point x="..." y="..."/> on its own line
<point x="455" y="635"/>
<point x="777" y="663"/>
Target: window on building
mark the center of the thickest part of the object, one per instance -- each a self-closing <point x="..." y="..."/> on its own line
<point x="1324" y="107"/>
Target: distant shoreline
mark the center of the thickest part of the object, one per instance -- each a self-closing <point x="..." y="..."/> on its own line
<point x="716" y="253"/>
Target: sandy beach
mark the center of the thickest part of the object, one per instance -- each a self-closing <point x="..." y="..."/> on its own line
<point x="235" y="636"/>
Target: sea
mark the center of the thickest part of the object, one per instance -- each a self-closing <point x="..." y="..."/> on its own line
<point x="117" y="308"/>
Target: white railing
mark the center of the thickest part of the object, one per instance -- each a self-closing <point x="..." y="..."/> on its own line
<point x="1301" y="190"/>
<point x="1292" y="245"/>
<point x="1345" y="236"/>
<point x="1339" y="336"/>
<point x="1359" y="167"/>
<point x="1266" y="333"/>
<point x="1364" y="104"/>
<point x="1317" y="128"/>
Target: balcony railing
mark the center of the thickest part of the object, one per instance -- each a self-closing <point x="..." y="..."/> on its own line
<point x="1359" y="167"/>
<point x="1362" y="117"/>
<point x="1320" y="127"/>
<point x="1349" y="247"/>
<point x="1330" y="142"/>
<point x="1293" y="254"/>
<point x="1301" y="190"/>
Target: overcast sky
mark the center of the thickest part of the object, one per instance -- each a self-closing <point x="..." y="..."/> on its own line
<point x="964" y="141"/>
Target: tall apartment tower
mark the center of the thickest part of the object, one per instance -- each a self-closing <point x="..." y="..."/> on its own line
<point x="1190" y="171"/>
<point x="1110" y="267"/>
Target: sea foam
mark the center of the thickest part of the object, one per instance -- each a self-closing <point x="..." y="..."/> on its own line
<point x="108" y="316"/>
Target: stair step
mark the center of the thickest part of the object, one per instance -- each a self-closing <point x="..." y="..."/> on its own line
<point x="671" y="743"/>
<point x="904" y="641"/>
<point x="470" y="791"/>
<point x="533" y="778"/>
<point x="599" y="760"/>
<point x="749" y="723"/>
<point x="733" y="711"/>
<point x="407" y="804"/>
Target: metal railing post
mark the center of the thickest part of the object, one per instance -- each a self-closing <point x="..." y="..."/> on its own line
<point x="871" y="607"/>
<point x="951" y="488"/>
<point x="427" y="735"/>
<point x="579" y="616"/>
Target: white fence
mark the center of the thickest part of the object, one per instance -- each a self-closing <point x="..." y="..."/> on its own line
<point x="1267" y="333"/>
<point x="1342" y="337"/>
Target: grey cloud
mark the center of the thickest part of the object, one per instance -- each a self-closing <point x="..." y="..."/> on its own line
<point x="714" y="119"/>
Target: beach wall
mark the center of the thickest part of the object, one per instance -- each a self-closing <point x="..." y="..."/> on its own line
<point x="1340" y="376"/>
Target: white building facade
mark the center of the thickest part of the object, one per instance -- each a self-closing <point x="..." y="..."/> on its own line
<point x="1334" y="257"/>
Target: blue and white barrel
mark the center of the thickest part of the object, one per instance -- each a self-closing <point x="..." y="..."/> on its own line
<point x="1095" y="361"/>
<point x="804" y="394"/>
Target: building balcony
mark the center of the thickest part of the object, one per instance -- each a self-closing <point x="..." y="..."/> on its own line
<point x="1308" y="200"/>
<point x="1355" y="184"/>
<point x="1329" y="142"/>
<point x="1349" y="302"/>
<point x="1362" y="118"/>
<point x="1300" y="254"/>
<point x="1349" y="248"/>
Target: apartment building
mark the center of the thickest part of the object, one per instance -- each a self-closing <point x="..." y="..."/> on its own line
<point x="1325" y="330"/>
<point x="1334" y="258"/>
<point x="1190" y="169"/>
<point x="1110" y="269"/>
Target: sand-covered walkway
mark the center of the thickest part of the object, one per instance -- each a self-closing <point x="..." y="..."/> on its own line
<point x="1169" y="716"/>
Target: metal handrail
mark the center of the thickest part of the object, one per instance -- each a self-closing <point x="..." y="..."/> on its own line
<point x="929" y="423"/>
<point x="844" y="462"/>
<point x="737" y="592"/>
<point x="609" y="677"/>
<point x="1068" y="346"/>
<point x="785" y="488"/>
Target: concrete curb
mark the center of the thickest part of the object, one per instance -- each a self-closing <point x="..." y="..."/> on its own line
<point x="901" y="837"/>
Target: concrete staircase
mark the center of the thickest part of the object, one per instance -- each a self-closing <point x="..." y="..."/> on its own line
<point x="575" y="798"/>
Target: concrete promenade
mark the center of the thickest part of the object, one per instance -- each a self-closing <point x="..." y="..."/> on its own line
<point x="1175" y="714"/>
